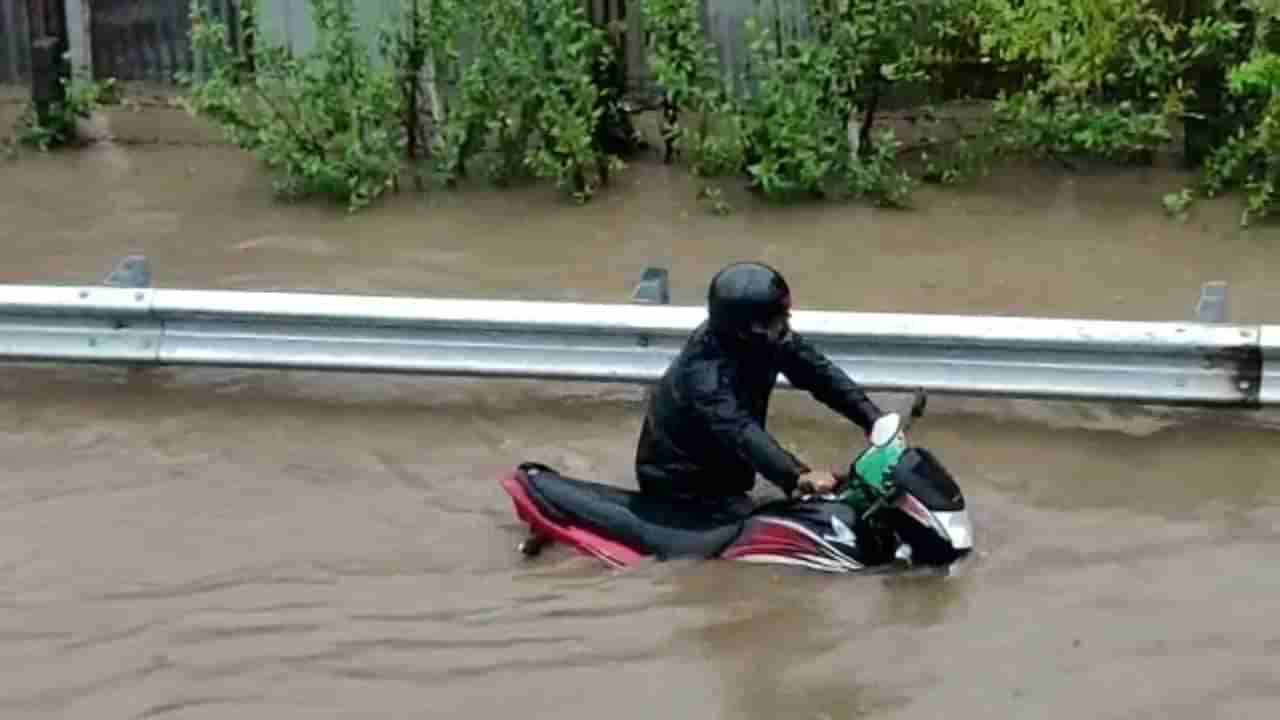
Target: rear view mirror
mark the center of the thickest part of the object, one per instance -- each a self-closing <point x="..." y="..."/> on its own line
<point x="918" y="404"/>
<point x="886" y="429"/>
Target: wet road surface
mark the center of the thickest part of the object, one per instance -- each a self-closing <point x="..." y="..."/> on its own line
<point x="201" y="544"/>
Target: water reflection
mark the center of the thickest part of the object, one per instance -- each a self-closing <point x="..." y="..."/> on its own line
<point x="766" y="631"/>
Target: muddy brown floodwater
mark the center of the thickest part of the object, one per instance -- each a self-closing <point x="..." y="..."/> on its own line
<point x="200" y="543"/>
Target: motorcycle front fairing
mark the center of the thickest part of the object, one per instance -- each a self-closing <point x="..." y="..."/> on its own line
<point x="928" y="509"/>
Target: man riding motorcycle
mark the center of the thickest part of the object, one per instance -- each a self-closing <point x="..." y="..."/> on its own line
<point x="703" y="439"/>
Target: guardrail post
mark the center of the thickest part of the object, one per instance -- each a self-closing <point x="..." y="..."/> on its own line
<point x="1269" y="387"/>
<point x="1212" y="306"/>
<point x="654" y="287"/>
<point x="132" y="272"/>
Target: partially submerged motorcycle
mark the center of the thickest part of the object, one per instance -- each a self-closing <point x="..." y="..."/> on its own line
<point x="897" y="506"/>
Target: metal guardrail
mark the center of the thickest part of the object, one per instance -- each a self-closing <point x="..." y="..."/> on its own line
<point x="127" y="322"/>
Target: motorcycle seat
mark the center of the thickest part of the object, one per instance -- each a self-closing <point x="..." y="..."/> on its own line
<point x="649" y="525"/>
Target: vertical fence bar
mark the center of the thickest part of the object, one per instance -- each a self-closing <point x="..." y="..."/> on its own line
<point x="13" y="40"/>
<point x="78" y="42"/>
<point x="143" y="40"/>
<point x="47" y="30"/>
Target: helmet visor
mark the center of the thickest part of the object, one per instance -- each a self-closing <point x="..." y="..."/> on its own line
<point x="774" y="330"/>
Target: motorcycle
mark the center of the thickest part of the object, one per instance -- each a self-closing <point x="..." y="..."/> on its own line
<point x="897" y="507"/>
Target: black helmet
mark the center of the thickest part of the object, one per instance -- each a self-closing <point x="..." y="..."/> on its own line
<point x="749" y="301"/>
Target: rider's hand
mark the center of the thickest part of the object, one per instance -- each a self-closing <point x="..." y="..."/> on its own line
<point x="818" y="482"/>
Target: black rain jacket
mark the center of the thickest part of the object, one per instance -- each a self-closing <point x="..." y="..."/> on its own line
<point x="704" y="436"/>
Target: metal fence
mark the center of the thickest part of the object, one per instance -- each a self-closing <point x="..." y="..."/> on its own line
<point x="289" y="21"/>
<point x="146" y="40"/>
<point x="626" y="14"/>
<point x="15" y="47"/>
<point x="130" y="40"/>
<point x="139" y="41"/>
<point x="131" y="324"/>
<point x="149" y="40"/>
